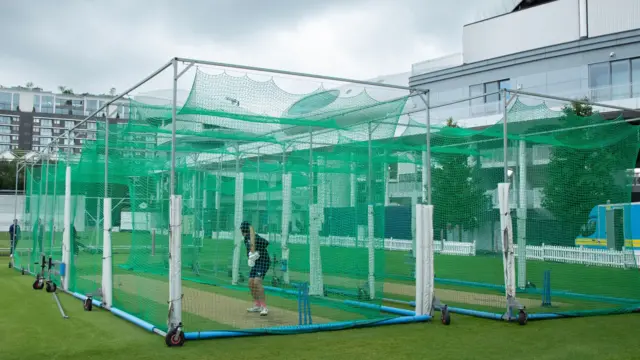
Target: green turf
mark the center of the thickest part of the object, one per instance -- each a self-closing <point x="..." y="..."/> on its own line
<point x="31" y="327"/>
<point x="349" y="263"/>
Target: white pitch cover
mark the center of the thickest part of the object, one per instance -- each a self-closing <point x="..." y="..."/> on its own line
<point x="237" y="222"/>
<point x="107" y="263"/>
<point x="286" y="217"/>
<point x="66" y="232"/>
<point x="372" y="252"/>
<point x="175" y="261"/>
<point x="424" y="259"/>
<point x="508" y="255"/>
<point x="316" y="281"/>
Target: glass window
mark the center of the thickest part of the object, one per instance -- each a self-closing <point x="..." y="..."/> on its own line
<point x="5" y="120"/>
<point x="635" y="77"/>
<point x="45" y="123"/>
<point x="599" y="81"/>
<point x="620" y="78"/>
<point x="4" y="148"/>
<point x="46" y="132"/>
<point x="45" y="141"/>
<point x="69" y="124"/>
<point x="5" y="138"/>
<point x="36" y="102"/>
<point x="5" y="130"/>
<point x="16" y="101"/>
<point x="477" y="105"/>
<point x="92" y="106"/>
<point x="5" y="101"/>
<point x="77" y="107"/>
<point x="489" y="88"/>
<point x="46" y="105"/>
<point x="506" y="84"/>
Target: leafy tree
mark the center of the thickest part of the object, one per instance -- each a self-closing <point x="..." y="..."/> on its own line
<point x="578" y="179"/>
<point x="8" y="176"/>
<point x="457" y="196"/>
<point x="65" y="90"/>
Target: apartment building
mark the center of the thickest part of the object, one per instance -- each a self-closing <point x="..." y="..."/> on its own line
<point x="31" y="118"/>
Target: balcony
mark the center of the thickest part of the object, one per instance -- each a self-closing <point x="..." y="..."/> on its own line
<point x="533" y="198"/>
<point x="538" y="155"/>
<point x="467" y="114"/>
<point x="405" y="189"/>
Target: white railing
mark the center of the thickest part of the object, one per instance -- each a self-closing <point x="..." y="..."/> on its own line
<point x="443" y="247"/>
<point x="583" y="256"/>
<point x="549" y="253"/>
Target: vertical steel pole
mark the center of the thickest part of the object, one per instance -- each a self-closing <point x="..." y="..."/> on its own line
<point x="106" y="155"/>
<point x="428" y="144"/>
<point x="173" y="127"/>
<point x="370" y="169"/>
<point x="15" y="194"/>
<point x="505" y="141"/>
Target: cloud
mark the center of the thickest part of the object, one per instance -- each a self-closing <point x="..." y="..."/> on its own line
<point x="92" y="45"/>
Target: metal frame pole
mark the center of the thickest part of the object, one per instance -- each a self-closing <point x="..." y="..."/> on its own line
<point x="370" y="169"/>
<point x="15" y="196"/>
<point x="505" y="140"/>
<point x="426" y="100"/>
<point x="173" y="126"/>
<point x="106" y="157"/>
<point x="293" y="73"/>
<point x="46" y="201"/>
<point x="55" y="206"/>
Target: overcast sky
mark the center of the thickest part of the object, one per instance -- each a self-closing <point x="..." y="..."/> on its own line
<point x="92" y="46"/>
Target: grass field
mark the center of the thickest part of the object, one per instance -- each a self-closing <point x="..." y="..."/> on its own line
<point x="344" y="269"/>
<point x="31" y="327"/>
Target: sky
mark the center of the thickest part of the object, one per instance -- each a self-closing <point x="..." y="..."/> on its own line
<point x="93" y="46"/>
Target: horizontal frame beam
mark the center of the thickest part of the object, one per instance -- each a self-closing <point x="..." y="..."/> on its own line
<point x="299" y="74"/>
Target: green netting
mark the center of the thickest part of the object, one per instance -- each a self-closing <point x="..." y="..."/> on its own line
<point x="563" y="166"/>
<point x="307" y="170"/>
<point x="312" y="173"/>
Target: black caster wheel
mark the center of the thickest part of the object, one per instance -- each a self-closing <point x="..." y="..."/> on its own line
<point x="51" y="287"/>
<point x="23" y="272"/>
<point x="522" y="317"/>
<point x="175" y="337"/>
<point x="88" y="304"/>
<point x="38" y="284"/>
<point x="445" y="315"/>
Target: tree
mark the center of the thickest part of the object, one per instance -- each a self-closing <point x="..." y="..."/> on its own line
<point x="457" y="196"/>
<point x="8" y="176"/>
<point x="578" y="178"/>
<point x="29" y="85"/>
<point x="65" y="90"/>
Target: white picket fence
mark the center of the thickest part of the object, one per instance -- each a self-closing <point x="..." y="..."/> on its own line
<point x="582" y="256"/>
<point x="549" y="253"/>
<point x="442" y="247"/>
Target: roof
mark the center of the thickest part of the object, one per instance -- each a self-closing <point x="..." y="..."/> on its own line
<point x="526" y="4"/>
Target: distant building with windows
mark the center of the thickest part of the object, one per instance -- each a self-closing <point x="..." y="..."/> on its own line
<point x="31" y="118"/>
<point x="568" y="48"/>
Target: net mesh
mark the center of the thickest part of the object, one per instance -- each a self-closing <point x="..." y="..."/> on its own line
<point x="330" y="177"/>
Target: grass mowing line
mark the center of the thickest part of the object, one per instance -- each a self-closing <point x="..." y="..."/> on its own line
<point x="206" y="304"/>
